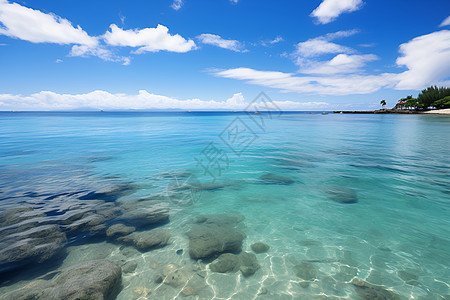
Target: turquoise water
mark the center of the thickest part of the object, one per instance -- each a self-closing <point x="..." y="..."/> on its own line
<point x="395" y="167"/>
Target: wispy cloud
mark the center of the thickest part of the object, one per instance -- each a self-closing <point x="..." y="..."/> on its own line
<point x="218" y="41"/>
<point x="446" y="22"/>
<point x="340" y="64"/>
<point x="276" y="40"/>
<point x="329" y="10"/>
<point x="322" y="85"/>
<point x="46" y="100"/>
<point x="306" y="55"/>
<point x="177" y="4"/>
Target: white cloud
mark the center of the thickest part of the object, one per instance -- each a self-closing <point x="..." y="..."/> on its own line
<point x="329" y="10"/>
<point x="177" y="4"/>
<point x="37" y="27"/>
<point x="216" y="40"/>
<point x="148" y="39"/>
<point x="276" y="40"/>
<point x="427" y="58"/>
<point x="323" y="45"/>
<point x="99" y="51"/>
<point x="446" y="22"/>
<point x="327" y="85"/>
<point x="341" y="63"/>
<point x="46" y="100"/>
<point x="346" y="61"/>
<point x="59" y="61"/>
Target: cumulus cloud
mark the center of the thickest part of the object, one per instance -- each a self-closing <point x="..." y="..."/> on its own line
<point x="216" y="40"/>
<point x="329" y="10"/>
<point x="148" y="39"/>
<point x="177" y="4"/>
<point x="46" y="100"/>
<point x="446" y="22"/>
<point x="37" y="27"/>
<point x="427" y="58"/>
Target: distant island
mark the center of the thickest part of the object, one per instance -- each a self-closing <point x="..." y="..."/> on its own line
<point x="431" y="100"/>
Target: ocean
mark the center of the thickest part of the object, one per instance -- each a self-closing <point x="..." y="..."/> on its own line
<point x="335" y="197"/>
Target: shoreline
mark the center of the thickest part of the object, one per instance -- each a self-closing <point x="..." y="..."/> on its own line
<point x="445" y="111"/>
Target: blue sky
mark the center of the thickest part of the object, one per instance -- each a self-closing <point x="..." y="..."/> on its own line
<point x="187" y="54"/>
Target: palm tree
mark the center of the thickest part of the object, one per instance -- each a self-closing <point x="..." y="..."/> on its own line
<point x="383" y="103"/>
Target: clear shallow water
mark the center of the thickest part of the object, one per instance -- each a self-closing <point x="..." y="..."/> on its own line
<point x="396" y="166"/>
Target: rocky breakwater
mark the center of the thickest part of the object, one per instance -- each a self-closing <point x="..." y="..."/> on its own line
<point x="212" y="235"/>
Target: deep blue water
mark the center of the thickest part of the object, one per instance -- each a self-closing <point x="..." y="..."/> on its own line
<point x="395" y="168"/>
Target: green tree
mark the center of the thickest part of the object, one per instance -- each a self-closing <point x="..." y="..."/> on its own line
<point x="442" y="103"/>
<point x="383" y="103"/>
<point x="432" y="94"/>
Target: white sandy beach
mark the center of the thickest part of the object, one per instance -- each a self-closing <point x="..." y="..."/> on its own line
<point x="445" y="111"/>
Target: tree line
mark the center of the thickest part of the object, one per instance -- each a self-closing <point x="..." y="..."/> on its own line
<point x="433" y="96"/>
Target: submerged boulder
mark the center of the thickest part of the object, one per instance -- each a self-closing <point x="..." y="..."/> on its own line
<point x="260" y="247"/>
<point x="226" y="262"/>
<point x="35" y="245"/>
<point x="271" y="178"/>
<point x="97" y="279"/>
<point x="209" y="240"/>
<point x="147" y="240"/>
<point x="342" y="195"/>
<point x="306" y="271"/>
<point x="373" y="292"/>
<point x="220" y="219"/>
<point x="145" y="216"/>
<point x="118" y="230"/>
<point x="249" y="264"/>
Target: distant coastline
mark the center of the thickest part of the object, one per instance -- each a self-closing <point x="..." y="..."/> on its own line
<point x="445" y="111"/>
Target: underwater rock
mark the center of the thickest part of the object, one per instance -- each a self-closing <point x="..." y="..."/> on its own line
<point x="129" y="267"/>
<point x="373" y="292"/>
<point x="175" y="276"/>
<point x="342" y="195"/>
<point x="271" y="178"/>
<point x="188" y="291"/>
<point x="220" y="219"/>
<point x="92" y="223"/>
<point x="304" y="284"/>
<point x="226" y="262"/>
<point x="145" y="216"/>
<point x="249" y="264"/>
<point x="147" y="240"/>
<point x="118" y="230"/>
<point x="98" y="279"/>
<point x="112" y="194"/>
<point x="409" y="278"/>
<point x="208" y="240"/>
<point x="19" y="219"/>
<point x="260" y="247"/>
<point x="306" y="271"/>
<point x="36" y="245"/>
